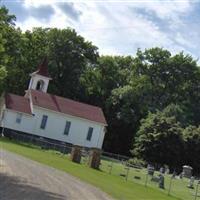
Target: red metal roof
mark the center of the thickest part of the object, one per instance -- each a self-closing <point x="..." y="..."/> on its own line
<point x="17" y="103"/>
<point x="67" y="106"/>
<point x="43" y="68"/>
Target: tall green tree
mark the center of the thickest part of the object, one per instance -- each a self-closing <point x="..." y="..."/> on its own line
<point x="157" y="79"/>
<point x="10" y="49"/>
<point x="69" y="55"/>
<point x="99" y="81"/>
<point x="171" y="78"/>
<point x="108" y="73"/>
<point x="159" y="141"/>
<point x="191" y="136"/>
<point x="6" y="25"/>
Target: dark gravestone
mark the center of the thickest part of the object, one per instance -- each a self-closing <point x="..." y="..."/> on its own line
<point x="161" y="182"/>
<point x="187" y="171"/>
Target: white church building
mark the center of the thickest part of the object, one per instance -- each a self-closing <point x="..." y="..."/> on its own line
<point x="45" y="115"/>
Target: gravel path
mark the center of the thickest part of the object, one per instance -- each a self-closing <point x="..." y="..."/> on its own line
<point x="24" y="179"/>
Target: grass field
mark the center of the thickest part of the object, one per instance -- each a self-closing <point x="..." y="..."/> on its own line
<point x="178" y="189"/>
<point x="113" y="184"/>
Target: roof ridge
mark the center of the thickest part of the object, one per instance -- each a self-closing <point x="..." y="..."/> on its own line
<point x="66" y="98"/>
<point x="68" y="106"/>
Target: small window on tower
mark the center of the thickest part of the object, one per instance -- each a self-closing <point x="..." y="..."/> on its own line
<point x="40" y="85"/>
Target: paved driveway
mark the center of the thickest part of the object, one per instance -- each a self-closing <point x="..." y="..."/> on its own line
<point x="24" y="179"/>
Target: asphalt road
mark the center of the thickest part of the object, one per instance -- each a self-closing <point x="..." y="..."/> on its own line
<point x="24" y="179"/>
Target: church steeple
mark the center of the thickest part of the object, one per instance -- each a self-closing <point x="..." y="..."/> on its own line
<point x="43" y="68"/>
<point x="40" y="78"/>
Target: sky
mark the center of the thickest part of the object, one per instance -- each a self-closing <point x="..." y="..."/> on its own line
<point x="118" y="27"/>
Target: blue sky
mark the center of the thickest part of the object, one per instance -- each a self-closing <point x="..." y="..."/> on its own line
<point x="118" y="27"/>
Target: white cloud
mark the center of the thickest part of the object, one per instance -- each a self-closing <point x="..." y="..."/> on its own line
<point x="183" y="41"/>
<point x="116" y="27"/>
<point x="167" y="9"/>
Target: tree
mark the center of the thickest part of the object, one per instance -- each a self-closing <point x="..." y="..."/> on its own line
<point x="10" y="53"/>
<point x="156" y="80"/>
<point x="129" y="89"/>
<point x="127" y="106"/>
<point x="159" y="141"/>
<point x="3" y="74"/>
<point x="69" y="54"/>
<point x="191" y="136"/>
<point x="171" y="78"/>
<point x="108" y="73"/>
<point x="99" y="82"/>
<point x="179" y="112"/>
<point x="7" y="23"/>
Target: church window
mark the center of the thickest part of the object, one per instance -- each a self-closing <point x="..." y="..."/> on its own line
<point x="44" y="121"/>
<point x="18" y="118"/>
<point x="89" y="135"/>
<point x="67" y="127"/>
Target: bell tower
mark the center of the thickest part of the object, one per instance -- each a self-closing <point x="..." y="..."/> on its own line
<point x="40" y="78"/>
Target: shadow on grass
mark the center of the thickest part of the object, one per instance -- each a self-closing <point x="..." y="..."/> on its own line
<point x="28" y="145"/>
<point x="14" y="188"/>
<point x="32" y="146"/>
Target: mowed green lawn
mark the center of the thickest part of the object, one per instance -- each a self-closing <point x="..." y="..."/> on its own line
<point x="114" y="185"/>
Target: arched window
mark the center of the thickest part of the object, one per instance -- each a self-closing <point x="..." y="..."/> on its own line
<point x="40" y="85"/>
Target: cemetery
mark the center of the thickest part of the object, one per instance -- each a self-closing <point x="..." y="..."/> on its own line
<point x="171" y="184"/>
<point x="115" y="177"/>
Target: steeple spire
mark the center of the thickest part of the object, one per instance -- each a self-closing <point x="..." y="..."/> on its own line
<point x="43" y="68"/>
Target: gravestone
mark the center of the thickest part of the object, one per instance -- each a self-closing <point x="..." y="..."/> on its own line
<point x="161" y="182"/>
<point x="191" y="183"/>
<point x="155" y="179"/>
<point x="167" y="171"/>
<point x="94" y="158"/>
<point x="187" y="171"/>
<point x="181" y="175"/>
<point x="174" y="174"/>
<point x="76" y="154"/>
<point x="150" y="170"/>
<point x="162" y="170"/>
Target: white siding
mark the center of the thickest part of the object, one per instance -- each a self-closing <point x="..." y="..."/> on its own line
<point x="55" y="127"/>
<point x="26" y="124"/>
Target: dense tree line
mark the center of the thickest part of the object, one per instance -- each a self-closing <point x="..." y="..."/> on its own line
<point x="151" y="100"/>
